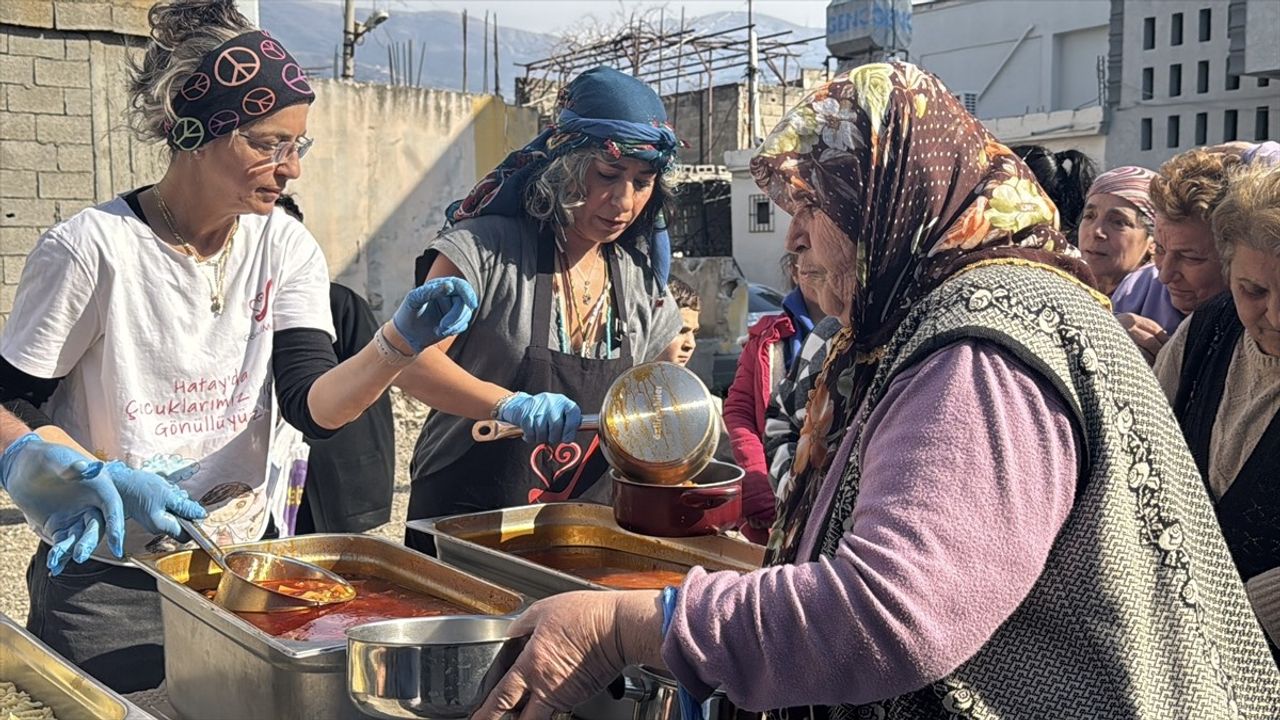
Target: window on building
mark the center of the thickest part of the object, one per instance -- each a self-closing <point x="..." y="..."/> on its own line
<point x="1264" y="82"/>
<point x="1175" y="30"/>
<point x="1206" y="24"/>
<point x="1202" y="128"/>
<point x="1202" y="76"/>
<point x="1148" y="33"/>
<point x="1262" y="124"/>
<point x="1148" y="83"/>
<point x="1173" y="131"/>
<point x="1229" y="119"/>
<point x="1146" y="134"/>
<point x="1233" y="81"/>
<point x="761" y="213"/>
<point x="1175" y="80"/>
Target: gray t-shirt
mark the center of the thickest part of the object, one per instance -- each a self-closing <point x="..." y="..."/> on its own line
<point x="499" y="257"/>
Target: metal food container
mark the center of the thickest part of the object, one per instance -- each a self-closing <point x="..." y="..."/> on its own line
<point x="483" y="543"/>
<point x="219" y="666"/>
<point x="50" y="679"/>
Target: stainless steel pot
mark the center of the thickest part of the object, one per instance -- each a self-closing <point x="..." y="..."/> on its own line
<point x="657" y="698"/>
<point x="441" y="668"/>
<point x="658" y="424"/>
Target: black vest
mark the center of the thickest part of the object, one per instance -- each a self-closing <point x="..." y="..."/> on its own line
<point x="1250" y="509"/>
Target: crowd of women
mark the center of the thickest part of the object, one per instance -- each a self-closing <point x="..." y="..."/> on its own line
<point x="979" y="498"/>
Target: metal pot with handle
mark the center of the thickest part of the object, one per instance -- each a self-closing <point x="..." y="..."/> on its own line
<point x="709" y="504"/>
<point x="658" y="424"/>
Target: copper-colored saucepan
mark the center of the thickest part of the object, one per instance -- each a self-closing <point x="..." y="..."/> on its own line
<point x="658" y="424"/>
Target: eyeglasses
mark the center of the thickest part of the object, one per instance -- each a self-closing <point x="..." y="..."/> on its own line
<point x="278" y="152"/>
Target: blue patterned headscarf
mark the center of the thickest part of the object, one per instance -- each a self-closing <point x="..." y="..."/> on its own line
<point x="601" y="108"/>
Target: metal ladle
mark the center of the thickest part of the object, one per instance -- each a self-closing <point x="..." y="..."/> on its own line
<point x="243" y="571"/>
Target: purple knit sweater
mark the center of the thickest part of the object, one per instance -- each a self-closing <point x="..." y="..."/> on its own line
<point x="969" y="471"/>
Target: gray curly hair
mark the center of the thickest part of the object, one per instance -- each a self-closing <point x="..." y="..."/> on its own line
<point x="561" y="187"/>
<point x="182" y="33"/>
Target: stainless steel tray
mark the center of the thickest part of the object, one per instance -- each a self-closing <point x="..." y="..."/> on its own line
<point x="47" y="677"/>
<point x="483" y="543"/>
<point x="219" y="666"/>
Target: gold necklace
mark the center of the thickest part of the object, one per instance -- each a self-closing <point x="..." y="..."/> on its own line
<point x="216" y="285"/>
<point x="586" y="281"/>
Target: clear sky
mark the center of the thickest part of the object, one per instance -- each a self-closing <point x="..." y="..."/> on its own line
<point x="551" y="15"/>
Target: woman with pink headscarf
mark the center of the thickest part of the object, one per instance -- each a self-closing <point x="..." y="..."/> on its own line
<point x="1117" y="238"/>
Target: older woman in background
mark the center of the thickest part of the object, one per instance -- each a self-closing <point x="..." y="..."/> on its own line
<point x="995" y="515"/>
<point x="1221" y="371"/>
<point x="1116" y="238"/>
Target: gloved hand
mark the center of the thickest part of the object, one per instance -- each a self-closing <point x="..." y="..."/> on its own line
<point x="545" y="417"/>
<point x="435" y="310"/>
<point x="152" y="500"/>
<point x="66" y="494"/>
<point x="578" y="643"/>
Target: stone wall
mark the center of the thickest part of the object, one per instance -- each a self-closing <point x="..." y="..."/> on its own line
<point x="64" y="144"/>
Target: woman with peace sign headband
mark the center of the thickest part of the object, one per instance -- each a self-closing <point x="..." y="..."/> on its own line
<point x="163" y="330"/>
<point x="563" y="245"/>
<point x="994" y="514"/>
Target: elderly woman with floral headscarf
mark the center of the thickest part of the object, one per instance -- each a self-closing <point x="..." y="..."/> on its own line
<point x="563" y="244"/>
<point x="995" y="515"/>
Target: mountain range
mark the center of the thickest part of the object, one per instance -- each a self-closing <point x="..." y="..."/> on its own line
<point x="313" y="33"/>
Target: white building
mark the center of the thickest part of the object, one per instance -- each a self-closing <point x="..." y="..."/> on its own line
<point x="1031" y="70"/>
<point x="1185" y="73"/>
<point x="759" y="226"/>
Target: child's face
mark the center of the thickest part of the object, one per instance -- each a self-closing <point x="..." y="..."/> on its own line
<point x="681" y="349"/>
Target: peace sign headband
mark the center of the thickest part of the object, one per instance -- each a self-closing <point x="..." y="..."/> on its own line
<point x="244" y="79"/>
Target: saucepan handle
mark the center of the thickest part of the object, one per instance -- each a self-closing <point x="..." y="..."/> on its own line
<point x="707" y="498"/>
<point x="490" y="430"/>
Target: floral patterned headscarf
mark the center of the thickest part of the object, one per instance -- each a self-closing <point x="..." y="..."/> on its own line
<point x="922" y="189"/>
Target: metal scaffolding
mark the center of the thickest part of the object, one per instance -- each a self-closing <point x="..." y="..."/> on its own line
<point x="663" y="55"/>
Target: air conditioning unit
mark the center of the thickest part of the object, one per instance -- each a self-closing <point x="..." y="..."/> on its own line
<point x="969" y="100"/>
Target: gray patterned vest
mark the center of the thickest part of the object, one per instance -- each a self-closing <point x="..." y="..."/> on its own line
<point x="1139" y="612"/>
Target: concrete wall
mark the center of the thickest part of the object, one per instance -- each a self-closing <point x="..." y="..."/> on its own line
<point x="757" y="253"/>
<point x="64" y="144"/>
<point x="1020" y="56"/>
<point x="1065" y="129"/>
<point x="1129" y="109"/>
<point x="386" y="164"/>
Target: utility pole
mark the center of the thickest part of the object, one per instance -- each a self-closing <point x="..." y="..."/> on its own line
<point x="464" y="50"/>
<point x="753" y="76"/>
<point x="349" y="41"/>
<point x="497" y="90"/>
<point x="485" y="54"/>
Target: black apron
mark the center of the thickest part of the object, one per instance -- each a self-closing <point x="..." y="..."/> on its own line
<point x="512" y="472"/>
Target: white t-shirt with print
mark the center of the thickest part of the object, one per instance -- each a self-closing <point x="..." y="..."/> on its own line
<point x="151" y="375"/>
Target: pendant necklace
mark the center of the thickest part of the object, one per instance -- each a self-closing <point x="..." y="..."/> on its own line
<point x="218" y="281"/>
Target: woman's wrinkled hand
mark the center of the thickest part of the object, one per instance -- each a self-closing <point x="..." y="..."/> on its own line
<point x="1146" y="333"/>
<point x="578" y="643"/>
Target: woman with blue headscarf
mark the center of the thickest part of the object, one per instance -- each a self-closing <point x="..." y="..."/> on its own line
<point x="563" y="244"/>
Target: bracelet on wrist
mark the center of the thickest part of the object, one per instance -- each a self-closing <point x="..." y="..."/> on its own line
<point x="389" y="353"/>
<point x="502" y="403"/>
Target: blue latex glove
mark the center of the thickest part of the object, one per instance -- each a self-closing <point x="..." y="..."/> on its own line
<point x="434" y="311"/>
<point x="152" y="500"/>
<point x="544" y="418"/>
<point x="66" y="494"/>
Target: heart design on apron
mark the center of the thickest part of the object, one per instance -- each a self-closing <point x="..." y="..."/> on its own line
<point x="564" y="458"/>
